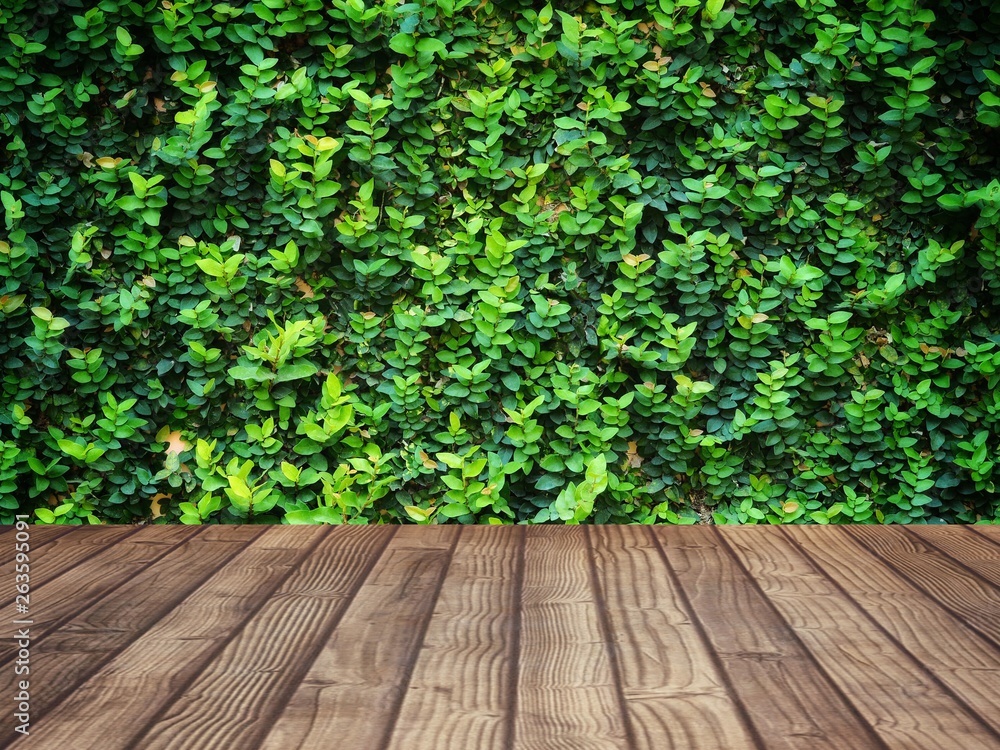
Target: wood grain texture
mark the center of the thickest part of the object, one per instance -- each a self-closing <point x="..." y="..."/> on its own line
<point x="962" y="592"/>
<point x="567" y="694"/>
<point x="63" y="551"/>
<point x="150" y="675"/>
<point x="460" y="693"/>
<point x="234" y="700"/>
<point x="978" y="553"/>
<point x="58" y="600"/>
<point x="38" y="537"/>
<point x="952" y="652"/>
<point x="351" y="692"/>
<point x="675" y="692"/>
<point x="391" y="638"/>
<point x="775" y="676"/>
<point x="876" y="674"/>
<point x="65" y="658"/>
<point x="44" y="533"/>
<point x="990" y="530"/>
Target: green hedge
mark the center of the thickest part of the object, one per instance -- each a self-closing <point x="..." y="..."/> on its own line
<point x="450" y="260"/>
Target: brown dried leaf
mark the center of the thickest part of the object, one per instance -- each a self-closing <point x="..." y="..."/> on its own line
<point x="302" y="286"/>
<point x="634" y="459"/>
<point x="155" y="506"/>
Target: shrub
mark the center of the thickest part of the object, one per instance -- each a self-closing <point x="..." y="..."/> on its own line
<point x="362" y="261"/>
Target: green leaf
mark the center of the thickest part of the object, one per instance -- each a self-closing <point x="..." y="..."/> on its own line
<point x="323" y="514"/>
<point x="73" y="448"/>
<point x="597" y="474"/>
<point x="570" y="28"/>
<point x="254" y="373"/>
<point x="211" y="267"/>
<point x="451" y="460"/>
<point x="430" y="44"/>
<point x="552" y="463"/>
<point x="239" y="488"/>
<point x="548" y="482"/>
<point x="291" y="472"/>
<point x="418" y="514"/>
<point x="713" y="8"/>
<point x="332" y="388"/>
<point x="403" y="44"/>
<point x="454" y="510"/>
<point x="294" y="372"/>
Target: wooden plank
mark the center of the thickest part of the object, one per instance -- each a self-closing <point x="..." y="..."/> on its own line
<point x="66" y="550"/>
<point x="63" y="659"/>
<point x="567" y="696"/>
<point x="61" y="598"/>
<point x="791" y="701"/>
<point x="351" y="692"/>
<point x="881" y="678"/>
<point x="954" y="653"/>
<point x="37" y="536"/>
<point x="675" y="691"/>
<point x="965" y="594"/>
<point x="990" y="530"/>
<point x="149" y="676"/>
<point x="44" y="533"/>
<point x="233" y="701"/>
<point x="460" y="694"/>
<point x="975" y="552"/>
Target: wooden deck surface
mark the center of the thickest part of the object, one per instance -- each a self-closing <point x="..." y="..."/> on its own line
<point x="508" y="638"/>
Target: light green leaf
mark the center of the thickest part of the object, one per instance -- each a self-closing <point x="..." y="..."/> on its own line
<point x="73" y="448"/>
<point x="713" y="8"/>
<point x="295" y="372"/>
<point x="254" y="373"/>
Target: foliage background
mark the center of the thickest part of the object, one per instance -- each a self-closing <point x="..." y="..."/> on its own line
<point x="360" y="261"/>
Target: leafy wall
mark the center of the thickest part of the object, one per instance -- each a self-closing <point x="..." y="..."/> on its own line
<point x="348" y="260"/>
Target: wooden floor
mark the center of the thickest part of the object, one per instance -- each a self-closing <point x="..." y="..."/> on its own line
<point x="490" y="638"/>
